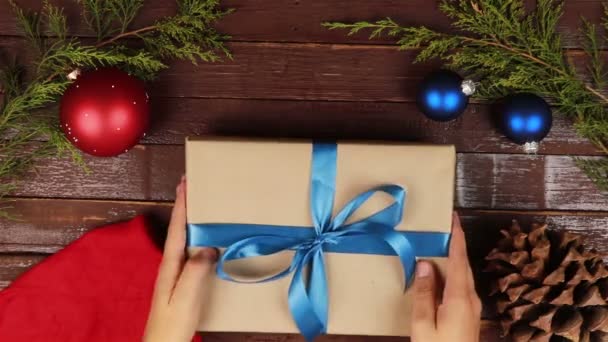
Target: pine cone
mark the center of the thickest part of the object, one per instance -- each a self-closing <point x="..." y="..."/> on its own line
<point x="547" y="287"/>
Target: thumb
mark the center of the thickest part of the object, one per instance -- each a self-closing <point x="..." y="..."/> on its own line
<point x="189" y="290"/>
<point x="424" y="310"/>
<point x="189" y="293"/>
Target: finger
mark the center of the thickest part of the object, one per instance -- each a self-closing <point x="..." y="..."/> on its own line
<point x="190" y="288"/>
<point x="176" y="234"/>
<point x="458" y="275"/>
<point x="470" y="279"/>
<point x="424" y="309"/>
<point x="174" y="251"/>
<point x="476" y="305"/>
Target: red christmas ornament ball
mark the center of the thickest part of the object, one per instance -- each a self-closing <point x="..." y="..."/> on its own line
<point x="105" y="112"/>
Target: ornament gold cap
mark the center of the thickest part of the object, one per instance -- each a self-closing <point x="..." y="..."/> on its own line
<point x="468" y="87"/>
<point x="531" y="147"/>
<point x="74" y="74"/>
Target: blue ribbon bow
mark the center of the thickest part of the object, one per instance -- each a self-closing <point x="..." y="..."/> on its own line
<point x="376" y="234"/>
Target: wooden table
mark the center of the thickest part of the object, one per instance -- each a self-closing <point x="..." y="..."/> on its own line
<point x="292" y="78"/>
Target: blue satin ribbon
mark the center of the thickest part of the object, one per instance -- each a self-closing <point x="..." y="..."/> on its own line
<point x="376" y="234"/>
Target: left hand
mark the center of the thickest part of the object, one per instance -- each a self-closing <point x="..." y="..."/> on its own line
<point x="178" y="295"/>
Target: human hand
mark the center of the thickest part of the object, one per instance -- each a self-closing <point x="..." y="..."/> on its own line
<point x="178" y="294"/>
<point x="456" y="316"/>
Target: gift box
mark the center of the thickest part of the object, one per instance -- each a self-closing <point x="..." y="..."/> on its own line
<point x="340" y="225"/>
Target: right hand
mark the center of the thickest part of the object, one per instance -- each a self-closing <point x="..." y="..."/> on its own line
<point x="456" y="316"/>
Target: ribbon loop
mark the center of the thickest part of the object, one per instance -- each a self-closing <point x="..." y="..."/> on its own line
<point x="376" y="234"/>
<point x="256" y="246"/>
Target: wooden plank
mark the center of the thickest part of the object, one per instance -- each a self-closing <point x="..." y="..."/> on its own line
<point x="306" y="71"/>
<point x="12" y="265"/>
<point x="286" y="71"/>
<point x="47" y="225"/>
<point x="474" y="131"/>
<point x="500" y="181"/>
<point x="300" y="21"/>
<point x="293" y="71"/>
<point x="484" y="181"/>
<point x="489" y="333"/>
<point x="174" y="119"/>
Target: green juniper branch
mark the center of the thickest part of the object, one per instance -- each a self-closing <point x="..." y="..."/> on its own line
<point x="508" y="49"/>
<point x="28" y="123"/>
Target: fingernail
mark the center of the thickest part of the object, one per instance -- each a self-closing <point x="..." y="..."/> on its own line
<point x="183" y="179"/>
<point x="423" y="269"/>
<point x="211" y="254"/>
<point x="197" y="254"/>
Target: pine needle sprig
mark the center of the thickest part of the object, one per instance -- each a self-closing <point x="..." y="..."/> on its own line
<point x="109" y="17"/>
<point x="30" y="25"/>
<point x="125" y="11"/>
<point x="29" y="127"/>
<point x="592" y="48"/>
<point x="55" y="21"/>
<point x="509" y="49"/>
<point x="596" y="169"/>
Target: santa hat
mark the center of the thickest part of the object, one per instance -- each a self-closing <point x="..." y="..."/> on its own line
<point x="98" y="288"/>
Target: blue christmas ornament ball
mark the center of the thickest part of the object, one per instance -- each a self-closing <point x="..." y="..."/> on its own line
<point x="441" y="96"/>
<point x="525" y="118"/>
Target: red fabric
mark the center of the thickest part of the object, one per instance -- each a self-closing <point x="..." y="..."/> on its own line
<point x="98" y="288"/>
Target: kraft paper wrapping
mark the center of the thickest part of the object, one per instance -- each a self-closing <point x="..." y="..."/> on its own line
<point x="268" y="182"/>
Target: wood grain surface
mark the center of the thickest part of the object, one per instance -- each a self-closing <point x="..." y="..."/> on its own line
<point x="296" y="71"/>
<point x="484" y="180"/>
<point x="47" y="225"/>
<point x="292" y="78"/>
<point x="489" y="332"/>
<point x="300" y="20"/>
<point x="474" y="131"/>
